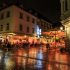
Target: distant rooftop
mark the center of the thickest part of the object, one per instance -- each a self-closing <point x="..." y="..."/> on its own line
<point x="39" y="15"/>
<point x="31" y="11"/>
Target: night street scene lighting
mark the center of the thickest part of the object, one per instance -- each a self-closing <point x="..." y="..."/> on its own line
<point x="34" y="35"/>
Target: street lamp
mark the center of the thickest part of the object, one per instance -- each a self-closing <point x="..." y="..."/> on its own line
<point x="61" y="28"/>
<point x="56" y="32"/>
<point x="62" y="37"/>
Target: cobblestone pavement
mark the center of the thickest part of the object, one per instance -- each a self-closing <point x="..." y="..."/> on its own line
<point x="34" y="58"/>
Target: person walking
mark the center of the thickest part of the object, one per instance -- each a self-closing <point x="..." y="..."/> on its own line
<point x="48" y="46"/>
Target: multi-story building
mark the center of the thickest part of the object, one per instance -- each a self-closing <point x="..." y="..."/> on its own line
<point x="15" y="21"/>
<point x="65" y="19"/>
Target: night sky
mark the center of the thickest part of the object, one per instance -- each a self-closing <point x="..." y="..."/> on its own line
<point x="48" y="8"/>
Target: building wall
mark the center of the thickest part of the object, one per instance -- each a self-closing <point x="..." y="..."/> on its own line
<point x="6" y="20"/>
<point x="15" y="21"/>
<point x="65" y="20"/>
<point x="46" y="26"/>
<point x="23" y="20"/>
<point x="65" y="9"/>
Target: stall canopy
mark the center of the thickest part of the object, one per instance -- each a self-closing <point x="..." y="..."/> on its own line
<point x="55" y="33"/>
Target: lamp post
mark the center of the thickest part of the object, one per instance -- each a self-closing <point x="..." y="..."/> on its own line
<point x="62" y="37"/>
<point x="61" y="28"/>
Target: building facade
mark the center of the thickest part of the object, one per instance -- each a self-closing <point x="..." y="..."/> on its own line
<point x="16" y="21"/>
<point x="65" y="19"/>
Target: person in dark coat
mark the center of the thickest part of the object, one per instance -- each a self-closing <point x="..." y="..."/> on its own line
<point x="48" y="46"/>
<point x="8" y="45"/>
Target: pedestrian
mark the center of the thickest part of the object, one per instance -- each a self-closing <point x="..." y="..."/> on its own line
<point x="48" y="46"/>
<point x="8" y="46"/>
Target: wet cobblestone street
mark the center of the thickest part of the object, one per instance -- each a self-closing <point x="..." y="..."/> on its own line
<point x="34" y="58"/>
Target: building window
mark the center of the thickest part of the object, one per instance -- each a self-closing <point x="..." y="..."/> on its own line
<point x="8" y="13"/>
<point x="63" y="6"/>
<point x="32" y="30"/>
<point x="20" y="27"/>
<point x="1" y="28"/>
<point x="2" y="15"/>
<point x="45" y="25"/>
<point x="21" y="15"/>
<point x="33" y="20"/>
<point x="27" y="29"/>
<point x="66" y="7"/>
<point x="28" y="18"/>
<point x="7" y="26"/>
<point x="41" y="24"/>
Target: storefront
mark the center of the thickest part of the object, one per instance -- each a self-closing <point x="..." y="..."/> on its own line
<point x="56" y="38"/>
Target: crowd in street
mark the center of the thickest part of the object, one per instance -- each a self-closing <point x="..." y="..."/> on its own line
<point x="27" y="44"/>
<point x="9" y="45"/>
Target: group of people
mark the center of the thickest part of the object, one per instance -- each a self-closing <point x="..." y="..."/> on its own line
<point x="9" y="45"/>
<point x="47" y="45"/>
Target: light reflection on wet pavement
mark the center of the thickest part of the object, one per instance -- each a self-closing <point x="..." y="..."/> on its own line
<point x="34" y="58"/>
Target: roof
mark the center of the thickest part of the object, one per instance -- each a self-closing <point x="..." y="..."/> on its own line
<point x="38" y="14"/>
<point x="31" y="11"/>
